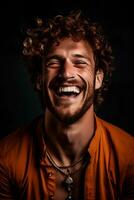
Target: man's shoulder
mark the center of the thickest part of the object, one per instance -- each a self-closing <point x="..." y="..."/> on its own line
<point x="116" y="135"/>
<point x="17" y="139"/>
<point x="115" y="130"/>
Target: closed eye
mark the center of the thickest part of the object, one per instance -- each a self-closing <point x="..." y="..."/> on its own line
<point x="80" y="63"/>
<point x="53" y="64"/>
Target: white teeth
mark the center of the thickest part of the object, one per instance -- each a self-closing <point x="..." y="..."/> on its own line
<point x="69" y="89"/>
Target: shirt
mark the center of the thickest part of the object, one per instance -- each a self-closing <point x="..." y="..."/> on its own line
<point x="25" y="173"/>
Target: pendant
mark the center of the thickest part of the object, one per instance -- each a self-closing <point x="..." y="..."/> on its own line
<point x="69" y="180"/>
<point x="69" y="197"/>
<point x="68" y="184"/>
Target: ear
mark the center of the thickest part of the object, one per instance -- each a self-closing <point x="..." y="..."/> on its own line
<point x="99" y="79"/>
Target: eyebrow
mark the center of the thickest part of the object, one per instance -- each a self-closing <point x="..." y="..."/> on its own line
<point x="82" y="56"/>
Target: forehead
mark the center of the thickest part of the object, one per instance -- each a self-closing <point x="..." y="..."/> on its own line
<point x="69" y="46"/>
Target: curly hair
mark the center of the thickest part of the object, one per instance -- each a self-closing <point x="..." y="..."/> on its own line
<point x="40" y="39"/>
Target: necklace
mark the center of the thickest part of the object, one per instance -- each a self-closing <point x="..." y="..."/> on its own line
<point x="68" y="181"/>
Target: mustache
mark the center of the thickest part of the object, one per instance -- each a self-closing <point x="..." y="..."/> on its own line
<point x="68" y="81"/>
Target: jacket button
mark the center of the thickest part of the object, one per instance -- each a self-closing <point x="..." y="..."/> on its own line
<point x="50" y="174"/>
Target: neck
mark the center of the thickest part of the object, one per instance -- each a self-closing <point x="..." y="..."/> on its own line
<point x="68" y="143"/>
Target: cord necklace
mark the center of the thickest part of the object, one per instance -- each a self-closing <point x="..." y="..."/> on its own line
<point x="68" y="181"/>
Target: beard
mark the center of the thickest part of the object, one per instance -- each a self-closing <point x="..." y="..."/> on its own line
<point x="73" y="117"/>
<point x="70" y="119"/>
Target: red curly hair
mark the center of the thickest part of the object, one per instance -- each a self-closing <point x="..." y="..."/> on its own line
<point x="40" y="39"/>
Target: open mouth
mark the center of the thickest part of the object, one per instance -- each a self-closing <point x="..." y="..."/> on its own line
<point x="67" y="91"/>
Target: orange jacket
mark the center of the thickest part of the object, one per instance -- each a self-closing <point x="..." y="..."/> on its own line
<point x="26" y="174"/>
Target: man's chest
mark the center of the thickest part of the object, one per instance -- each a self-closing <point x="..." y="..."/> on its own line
<point x="70" y="187"/>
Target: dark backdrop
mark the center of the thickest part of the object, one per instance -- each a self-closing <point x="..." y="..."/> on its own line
<point x="18" y="102"/>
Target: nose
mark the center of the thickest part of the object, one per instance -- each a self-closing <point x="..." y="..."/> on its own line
<point x="67" y="71"/>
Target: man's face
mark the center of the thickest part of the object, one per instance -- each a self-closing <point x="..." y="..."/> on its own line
<point x="69" y="79"/>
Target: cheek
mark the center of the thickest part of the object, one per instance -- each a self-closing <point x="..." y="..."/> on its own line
<point x="49" y="74"/>
<point x="88" y="77"/>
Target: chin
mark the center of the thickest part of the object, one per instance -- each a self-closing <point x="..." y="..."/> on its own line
<point x="69" y="118"/>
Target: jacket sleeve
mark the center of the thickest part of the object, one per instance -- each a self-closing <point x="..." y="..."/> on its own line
<point x="128" y="186"/>
<point x="6" y="192"/>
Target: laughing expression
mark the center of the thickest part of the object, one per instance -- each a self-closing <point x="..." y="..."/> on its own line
<point x="69" y="79"/>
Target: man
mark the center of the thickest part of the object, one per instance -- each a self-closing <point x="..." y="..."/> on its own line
<point x="68" y="153"/>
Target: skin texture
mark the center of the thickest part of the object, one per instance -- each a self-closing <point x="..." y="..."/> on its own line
<point x="70" y="64"/>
